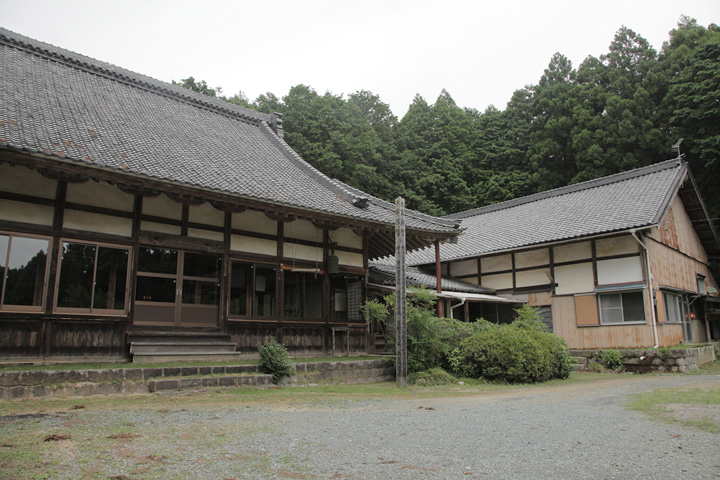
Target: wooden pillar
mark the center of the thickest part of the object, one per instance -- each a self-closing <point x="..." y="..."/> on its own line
<point x="438" y="278"/>
<point x="400" y="292"/>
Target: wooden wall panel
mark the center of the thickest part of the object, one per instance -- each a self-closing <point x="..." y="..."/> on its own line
<point x="20" y="338"/>
<point x="586" y="310"/>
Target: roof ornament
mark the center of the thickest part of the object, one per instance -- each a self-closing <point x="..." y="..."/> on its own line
<point x="676" y="147"/>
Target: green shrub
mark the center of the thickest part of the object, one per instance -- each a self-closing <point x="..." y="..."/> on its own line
<point x="613" y="359"/>
<point x="528" y="318"/>
<point x="513" y="354"/>
<point x="431" y="378"/>
<point x="274" y="360"/>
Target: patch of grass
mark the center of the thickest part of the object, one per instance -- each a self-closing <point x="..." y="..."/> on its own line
<point x="656" y="403"/>
<point x="100" y="365"/>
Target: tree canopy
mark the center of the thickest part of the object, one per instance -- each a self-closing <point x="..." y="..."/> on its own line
<point x="622" y="110"/>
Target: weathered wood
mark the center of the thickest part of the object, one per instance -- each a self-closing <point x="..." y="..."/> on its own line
<point x="155" y="239"/>
<point x="400" y="293"/>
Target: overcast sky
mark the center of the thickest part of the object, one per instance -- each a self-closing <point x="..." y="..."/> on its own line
<point x="480" y="51"/>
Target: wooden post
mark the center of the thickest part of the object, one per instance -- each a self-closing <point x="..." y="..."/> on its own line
<point x="438" y="277"/>
<point x="400" y="296"/>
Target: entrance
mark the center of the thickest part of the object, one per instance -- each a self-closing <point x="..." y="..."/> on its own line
<point x="177" y="288"/>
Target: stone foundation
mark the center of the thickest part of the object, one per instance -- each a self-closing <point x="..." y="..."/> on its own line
<point x="652" y="360"/>
<point x="123" y="381"/>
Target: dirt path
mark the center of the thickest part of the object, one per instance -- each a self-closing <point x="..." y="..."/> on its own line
<point x="574" y="430"/>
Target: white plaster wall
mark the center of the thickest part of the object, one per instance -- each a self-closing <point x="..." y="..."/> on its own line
<point x="496" y="263"/>
<point x="619" y="270"/>
<point x="499" y="281"/>
<point x="574" y="279"/>
<point x="206" y="214"/>
<point x="465" y="267"/>
<point x="100" y="194"/>
<point x="606" y="247"/>
<point x="346" y="238"/>
<point x="305" y="230"/>
<point x="252" y="221"/>
<point x="532" y="258"/>
<point x="572" y="252"/>
<point x="530" y="278"/>
<point x="303" y="252"/>
<point x="26" y="212"/>
<point x="161" y="206"/>
<point x="93" y="222"/>
<point x="25" y="181"/>
<point x="241" y="243"/>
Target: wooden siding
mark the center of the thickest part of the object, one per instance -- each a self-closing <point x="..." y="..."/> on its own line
<point x="607" y="336"/>
<point x="676" y="254"/>
<point x="76" y="210"/>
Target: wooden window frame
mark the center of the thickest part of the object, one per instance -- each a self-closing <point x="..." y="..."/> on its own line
<point x="25" y="308"/>
<point x="622" y="307"/>
<point x="250" y="307"/>
<point x="91" y="310"/>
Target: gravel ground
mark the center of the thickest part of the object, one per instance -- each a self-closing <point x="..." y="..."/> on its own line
<point x="572" y="431"/>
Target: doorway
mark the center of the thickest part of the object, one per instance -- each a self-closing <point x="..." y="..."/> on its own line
<point x="177" y="288"/>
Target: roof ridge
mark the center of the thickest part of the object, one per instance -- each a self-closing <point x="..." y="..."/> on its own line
<point x="124" y="75"/>
<point x="334" y="185"/>
<point x="588" y="184"/>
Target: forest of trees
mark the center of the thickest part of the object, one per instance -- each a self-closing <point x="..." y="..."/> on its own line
<point x="620" y="111"/>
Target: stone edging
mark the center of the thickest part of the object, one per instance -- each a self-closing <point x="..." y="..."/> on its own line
<point x="124" y="381"/>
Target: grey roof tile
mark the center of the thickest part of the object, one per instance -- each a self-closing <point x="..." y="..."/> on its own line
<point x="69" y="106"/>
<point x="632" y="199"/>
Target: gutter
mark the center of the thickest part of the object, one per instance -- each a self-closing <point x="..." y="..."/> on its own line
<point x="650" y="289"/>
<point x="453" y="307"/>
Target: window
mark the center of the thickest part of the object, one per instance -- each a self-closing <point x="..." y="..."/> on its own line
<point x="675" y="307"/>
<point x="23" y="265"/>
<point x="93" y="278"/>
<point x="348" y="296"/>
<point x="303" y="296"/>
<point x="252" y="290"/>
<point x="625" y="307"/>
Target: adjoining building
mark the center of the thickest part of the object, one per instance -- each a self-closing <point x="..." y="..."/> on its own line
<point x="132" y="209"/>
<point x="628" y="260"/>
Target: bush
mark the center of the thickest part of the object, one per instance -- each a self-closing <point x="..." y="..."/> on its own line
<point x="528" y="318"/>
<point x="274" y="360"/>
<point x="513" y="354"/>
<point x="613" y="359"/>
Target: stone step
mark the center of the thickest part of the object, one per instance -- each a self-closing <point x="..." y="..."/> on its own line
<point x="175" y="384"/>
<point x="192" y="356"/>
<point x="141" y="348"/>
<point x="179" y="338"/>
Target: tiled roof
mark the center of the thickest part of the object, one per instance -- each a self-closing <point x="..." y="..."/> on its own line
<point x="633" y="199"/>
<point x="383" y="273"/>
<point x="73" y="108"/>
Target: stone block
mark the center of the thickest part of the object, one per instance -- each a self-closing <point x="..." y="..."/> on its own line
<point x="227" y="381"/>
<point x="37" y="377"/>
<point x="70" y="376"/>
<point x="9" y="379"/>
<point x="188" y="371"/>
<point x="210" y="382"/>
<point x="164" y="385"/>
<point x="220" y="369"/>
<point x="133" y="374"/>
<point x="172" y="371"/>
<point x="205" y="370"/>
<point x="19" y="391"/>
<point x="41" y="391"/>
<point x="85" y="389"/>
<point x="149" y="373"/>
<point x="190" y="383"/>
<point x="105" y="375"/>
<point x="108" y="388"/>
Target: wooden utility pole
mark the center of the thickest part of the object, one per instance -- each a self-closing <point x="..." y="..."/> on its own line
<point x="400" y="296"/>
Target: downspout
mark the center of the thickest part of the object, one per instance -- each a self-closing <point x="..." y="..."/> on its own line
<point x="650" y="288"/>
<point x="455" y="306"/>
